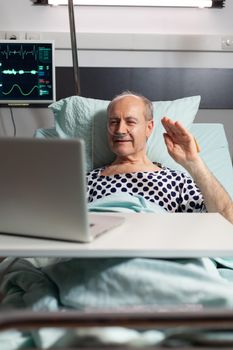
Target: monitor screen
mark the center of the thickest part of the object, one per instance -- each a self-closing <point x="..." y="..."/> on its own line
<point x="27" y="72"/>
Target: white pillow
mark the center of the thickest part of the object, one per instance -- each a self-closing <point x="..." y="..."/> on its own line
<point x="86" y="118"/>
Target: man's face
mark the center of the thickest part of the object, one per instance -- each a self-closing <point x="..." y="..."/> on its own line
<point x="128" y="129"/>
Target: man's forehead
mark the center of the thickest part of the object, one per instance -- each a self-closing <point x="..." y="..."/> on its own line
<point x="121" y="97"/>
<point x="126" y="101"/>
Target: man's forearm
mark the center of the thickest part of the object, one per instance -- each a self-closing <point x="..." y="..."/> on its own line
<point x="215" y="197"/>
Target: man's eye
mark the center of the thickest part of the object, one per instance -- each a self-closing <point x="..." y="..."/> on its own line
<point x="113" y="122"/>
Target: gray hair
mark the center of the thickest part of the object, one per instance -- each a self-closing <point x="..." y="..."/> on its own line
<point x="147" y="103"/>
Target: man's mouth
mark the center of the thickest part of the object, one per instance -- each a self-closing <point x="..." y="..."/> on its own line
<point x="121" y="140"/>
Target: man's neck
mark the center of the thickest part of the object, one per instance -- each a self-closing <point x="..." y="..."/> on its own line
<point x="129" y="165"/>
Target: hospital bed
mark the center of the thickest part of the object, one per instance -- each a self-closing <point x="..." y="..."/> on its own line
<point x="147" y="302"/>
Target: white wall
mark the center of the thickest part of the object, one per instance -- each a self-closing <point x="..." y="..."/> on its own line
<point x="210" y="24"/>
<point x="21" y="15"/>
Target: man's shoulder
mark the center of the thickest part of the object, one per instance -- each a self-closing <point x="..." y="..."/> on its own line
<point x="94" y="171"/>
<point x="175" y="173"/>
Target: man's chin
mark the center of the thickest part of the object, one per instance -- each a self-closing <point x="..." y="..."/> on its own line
<point x="122" y="153"/>
<point x="122" y="148"/>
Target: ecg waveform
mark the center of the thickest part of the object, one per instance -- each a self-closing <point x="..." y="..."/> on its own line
<point x="41" y="53"/>
<point x="22" y="52"/>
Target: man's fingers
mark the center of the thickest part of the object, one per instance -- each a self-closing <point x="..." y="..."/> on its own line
<point x="182" y="130"/>
<point x="168" y="141"/>
<point x="174" y="128"/>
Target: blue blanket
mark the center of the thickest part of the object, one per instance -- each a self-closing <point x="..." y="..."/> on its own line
<point x="112" y="283"/>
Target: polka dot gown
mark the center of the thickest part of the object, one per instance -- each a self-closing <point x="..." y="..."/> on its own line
<point x="172" y="190"/>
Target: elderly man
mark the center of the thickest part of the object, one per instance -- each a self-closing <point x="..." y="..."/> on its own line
<point x="130" y="123"/>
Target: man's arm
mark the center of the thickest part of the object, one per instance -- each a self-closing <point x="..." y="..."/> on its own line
<point x="182" y="148"/>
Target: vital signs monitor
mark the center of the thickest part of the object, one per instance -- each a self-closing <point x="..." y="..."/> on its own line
<point x="27" y="72"/>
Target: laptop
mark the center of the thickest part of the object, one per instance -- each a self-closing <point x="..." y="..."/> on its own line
<point x="43" y="191"/>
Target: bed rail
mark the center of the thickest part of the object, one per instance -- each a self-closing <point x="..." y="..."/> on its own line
<point x="185" y="324"/>
<point x="214" y="319"/>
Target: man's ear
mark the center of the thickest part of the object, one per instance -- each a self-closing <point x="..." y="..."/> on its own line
<point x="150" y="127"/>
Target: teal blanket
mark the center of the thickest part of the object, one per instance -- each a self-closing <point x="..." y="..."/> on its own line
<point x="125" y="203"/>
<point x="112" y="283"/>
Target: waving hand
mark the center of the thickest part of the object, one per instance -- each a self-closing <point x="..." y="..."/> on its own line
<point x="180" y="143"/>
<point x="183" y="148"/>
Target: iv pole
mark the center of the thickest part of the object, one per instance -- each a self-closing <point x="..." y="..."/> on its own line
<point x="74" y="47"/>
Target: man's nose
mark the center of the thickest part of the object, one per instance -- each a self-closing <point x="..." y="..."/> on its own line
<point x="122" y="127"/>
